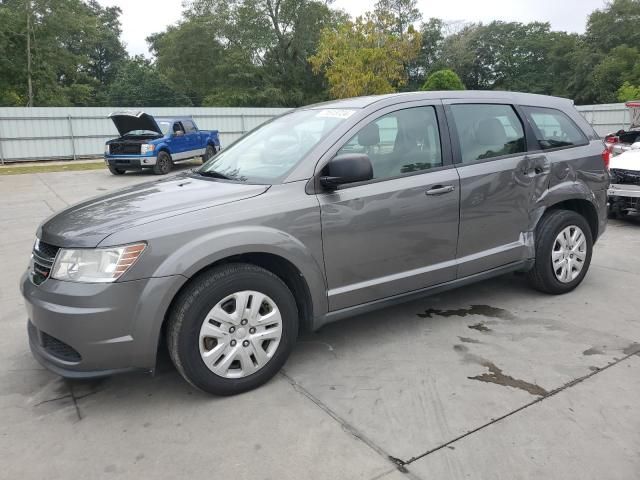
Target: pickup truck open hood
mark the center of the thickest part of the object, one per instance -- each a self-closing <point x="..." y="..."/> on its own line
<point x="86" y="224"/>
<point x="129" y="121"/>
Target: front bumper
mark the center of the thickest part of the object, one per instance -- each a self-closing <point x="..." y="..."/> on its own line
<point x="84" y="330"/>
<point x="130" y="162"/>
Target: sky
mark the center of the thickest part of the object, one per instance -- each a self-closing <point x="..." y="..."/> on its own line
<point x="140" y="18"/>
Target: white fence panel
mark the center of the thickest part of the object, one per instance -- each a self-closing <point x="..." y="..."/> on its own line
<point x="43" y="133"/>
<point x="40" y="133"/>
<point x="606" y="118"/>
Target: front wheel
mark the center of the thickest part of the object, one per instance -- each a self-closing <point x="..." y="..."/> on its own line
<point x="232" y="329"/>
<point x="163" y="164"/>
<point x="116" y="171"/>
<point x="564" y="246"/>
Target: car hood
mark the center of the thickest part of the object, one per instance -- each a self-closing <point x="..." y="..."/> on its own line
<point x="629" y="160"/>
<point x="86" y="224"/>
<point x="129" y="121"/>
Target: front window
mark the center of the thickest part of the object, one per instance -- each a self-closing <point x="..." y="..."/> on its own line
<point x="164" y="127"/>
<point x="268" y="154"/>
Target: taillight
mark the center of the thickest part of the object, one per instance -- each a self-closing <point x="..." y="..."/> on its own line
<point x="606" y="157"/>
<point x="612" y="139"/>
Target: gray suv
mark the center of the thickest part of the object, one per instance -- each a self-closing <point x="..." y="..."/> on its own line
<point x="326" y="212"/>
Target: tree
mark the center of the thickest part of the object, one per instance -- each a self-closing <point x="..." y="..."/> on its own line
<point x="138" y="84"/>
<point x="365" y="56"/>
<point x="263" y="45"/>
<point x="443" y="80"/>
<point x="57" y="52"/>
<point x="404" y="13"/>
<point x="614" y="25"/>
<point x="628" y="92"/>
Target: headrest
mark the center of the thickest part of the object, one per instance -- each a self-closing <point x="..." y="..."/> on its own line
<point x="490" y="131"/>
<point x="369" y="135"/>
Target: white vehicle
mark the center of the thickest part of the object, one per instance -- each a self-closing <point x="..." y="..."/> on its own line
<point x="624" y="191"/>
<point x="624" y="140"/>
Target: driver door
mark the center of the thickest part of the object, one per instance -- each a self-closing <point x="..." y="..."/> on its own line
<point x="398" y="232"/>
<point x="179" y="143"/>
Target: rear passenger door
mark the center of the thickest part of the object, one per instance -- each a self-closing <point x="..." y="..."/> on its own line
<point x="498" y="184"/>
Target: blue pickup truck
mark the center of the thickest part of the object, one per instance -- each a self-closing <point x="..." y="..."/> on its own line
<point x="156" y="143"/>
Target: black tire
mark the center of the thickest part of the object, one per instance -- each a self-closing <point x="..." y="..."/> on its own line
<point x="190" y="310"/>
<point x="209" y="152"/>
<point x="542" y="276"/>
<point x="163" y="164"/>
<point x="116" y="171"/>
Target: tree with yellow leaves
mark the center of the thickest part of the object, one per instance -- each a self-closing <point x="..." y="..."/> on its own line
<point x="366" y="56"/>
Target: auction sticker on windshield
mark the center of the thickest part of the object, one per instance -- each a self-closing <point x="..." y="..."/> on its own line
<point x="335" y="113"/>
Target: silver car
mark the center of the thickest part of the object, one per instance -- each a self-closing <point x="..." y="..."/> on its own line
<point x="326" y="212"/>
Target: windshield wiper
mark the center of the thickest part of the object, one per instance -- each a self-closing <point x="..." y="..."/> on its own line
<point x="213" y="174"/>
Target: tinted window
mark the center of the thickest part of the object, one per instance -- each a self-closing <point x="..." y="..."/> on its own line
<point x="554" y="128"/>
<point x="189" y="126"/>
<point x="487" y="131"/>
<point x="401" y="142"/>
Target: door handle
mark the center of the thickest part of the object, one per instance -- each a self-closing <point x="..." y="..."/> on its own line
<point x="440" y="190"/>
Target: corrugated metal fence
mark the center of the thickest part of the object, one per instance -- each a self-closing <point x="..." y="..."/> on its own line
<point x="42" y="133"/>
<point x="606" y="118"/>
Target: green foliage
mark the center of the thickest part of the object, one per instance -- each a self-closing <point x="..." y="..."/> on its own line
<point x="443" y="80"/>
<point x="628" y="92"/>
<point x="295" y="52"/>
<point x="75" y="50"/>
<point x="366" y="56"/>
<point x="138" y="84"/>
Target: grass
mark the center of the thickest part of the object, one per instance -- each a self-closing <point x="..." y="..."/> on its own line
<point x="63" y="167"/>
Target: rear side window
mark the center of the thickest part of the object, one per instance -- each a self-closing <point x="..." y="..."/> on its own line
<point x="189" y="126"/>
<point x="554" y="129"/>
<point x="487" y="131"/>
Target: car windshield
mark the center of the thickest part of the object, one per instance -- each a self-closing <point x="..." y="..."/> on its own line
<point x="269" y="153"/>
<point x="140" y="133"/>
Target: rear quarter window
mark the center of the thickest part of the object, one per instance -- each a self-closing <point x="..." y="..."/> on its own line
<point x="554" y="129"/>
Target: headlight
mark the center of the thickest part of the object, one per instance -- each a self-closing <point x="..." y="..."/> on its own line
<point x="95" y="265"/>
<point x="106" y="149"/>
<point x="146" y="148"/>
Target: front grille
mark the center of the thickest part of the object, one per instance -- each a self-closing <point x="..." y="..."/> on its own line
<point x="43" y="257"/>
<point x="58" y="348"/>
<point x="625" y="176"/>
<point x="124" y="148"/>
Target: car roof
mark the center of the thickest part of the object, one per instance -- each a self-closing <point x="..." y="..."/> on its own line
<point x="173" y="119"/>
<point x="515" y="97"/>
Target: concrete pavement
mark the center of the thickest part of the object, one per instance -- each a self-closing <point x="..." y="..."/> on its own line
<point x="490" y="381"/>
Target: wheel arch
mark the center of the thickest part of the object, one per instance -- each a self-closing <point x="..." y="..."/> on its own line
<point x="281" y="267"/>
<point x="582" y="207"/>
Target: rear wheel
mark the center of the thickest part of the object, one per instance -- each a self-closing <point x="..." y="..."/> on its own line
<point x="232" y="329"/>
<point x="116" y="171"/>
<point x="564" y="246"/>
<point x="209" y="152"/>
<point x="163" y="164"/>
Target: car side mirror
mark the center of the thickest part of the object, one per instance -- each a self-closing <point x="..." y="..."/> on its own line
<point x="347" y="168"/>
